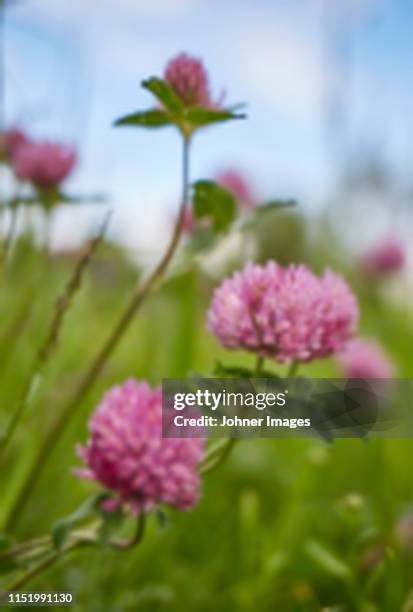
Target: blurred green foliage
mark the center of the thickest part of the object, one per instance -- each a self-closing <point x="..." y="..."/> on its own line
<point x="284" y="525"/>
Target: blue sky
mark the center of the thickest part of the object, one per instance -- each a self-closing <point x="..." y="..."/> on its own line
<point x="72" y="67"/>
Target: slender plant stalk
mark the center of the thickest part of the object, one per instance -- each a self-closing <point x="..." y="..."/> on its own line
<point x="47" y="229"/>
<point x="217" y="456"/>
<point x="16" y="327"/>
<point x="34" y="572"/>
<point x="135" y="539"/>
<point x="8" y="244"/>
<point x="51" y="341"/>
<point x="259" y="366"/>
<point x="106" y="350"/>
<point x="80" y="539"/>
<point x="292" y="370"/>
<point x="26" y="547"/>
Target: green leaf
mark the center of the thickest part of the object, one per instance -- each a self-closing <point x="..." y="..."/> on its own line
<point x="236" y="107"/>
<point x="62" y="528"/>
<point x="274" y="206"/>
<point x="93" y="198"/>
<point x="215" y="202"/>
<point x="200" y="117"/>
<point x="60" y="531"/>
<point x="328" y="561"/>
<point x="50" y="196"/>
<point x="201" y="240"/>
<point x="165" y="94"/>
<point x="111" y="521"/>
<point x="224" y="371"/>
<point x="154" y="118"/>
<point x="262" y="210"/>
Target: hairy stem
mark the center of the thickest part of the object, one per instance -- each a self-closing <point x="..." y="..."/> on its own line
<point x="62" y="306"/>
<point x="105" y="352"/>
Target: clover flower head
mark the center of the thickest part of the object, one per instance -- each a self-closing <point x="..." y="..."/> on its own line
<point x="44" y="164"/>
<point x="288" y="314"/>
<point x="386" y="257"/>
<point x="362" y="358"/>
<point x="11" y="140"/>
<point x="127" y="454"/>
<point x="189" y="80"/>
<point x="237" y="184"/>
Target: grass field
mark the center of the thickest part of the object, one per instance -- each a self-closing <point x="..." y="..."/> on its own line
<point x="283" y="525"/>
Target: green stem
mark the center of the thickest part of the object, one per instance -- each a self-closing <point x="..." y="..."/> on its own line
<point x="33" y="573"/>
<point x="292" y="370"/>
<point x="105" y="352"/>
<point x="47" y="229"/>
<point x="25" y="547"/>
<point x="63" y="304"/>
<point x="217" y="456"/>
<point x="13" y="331"/>
<point x="80" y="539"/>
<point x="135" y="539"/>
<point x="259" y="366"/>
<point x="14" y="212"/>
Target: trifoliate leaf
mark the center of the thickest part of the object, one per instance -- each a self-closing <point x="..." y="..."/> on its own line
<point x="165" y="94"/>
<point x="62" y="528"/>
<point x="153" y="118"/>
<point x="215" y="202"/>
<point x="227" y="371"/>
<point x="200" y="117"/>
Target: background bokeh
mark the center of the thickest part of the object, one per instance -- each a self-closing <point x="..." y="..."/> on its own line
<point x="327" y="86"/>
